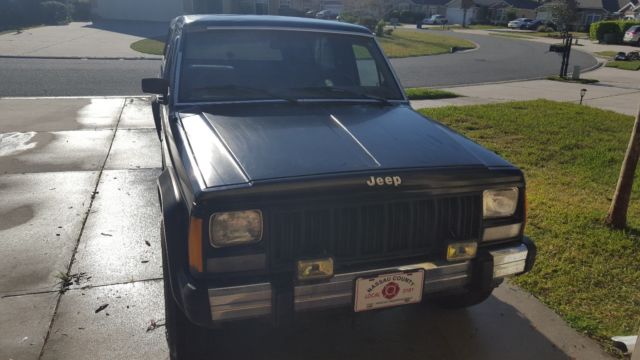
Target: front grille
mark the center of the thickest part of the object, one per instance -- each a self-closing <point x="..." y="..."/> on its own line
<point x="358" y="233"/>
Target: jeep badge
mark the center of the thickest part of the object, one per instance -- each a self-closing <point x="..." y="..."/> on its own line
<point x="387" y="180"/>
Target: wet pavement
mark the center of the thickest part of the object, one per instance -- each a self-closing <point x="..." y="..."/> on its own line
<point x="79" y="212"/>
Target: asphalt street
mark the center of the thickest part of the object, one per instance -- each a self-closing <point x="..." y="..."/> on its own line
<point x="64" y="77"/>
<point x="496" y="59"/>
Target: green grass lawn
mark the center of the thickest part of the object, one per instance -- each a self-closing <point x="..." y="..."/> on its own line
<point x="406" y="43"/>
<point x="511" y="35"/>
<point x="477" y="27"/>
<point x="529" y="35"/>
<point x="557" y="35"/>
<point x="625" y="65"/>
<point x="402" y="43"/>
<point x="428" y="94"/>
<point x="571" y="155"/>
<point x="486" y="27"/>
<point x="606" y="54"/>
<point x="149" y="46"/>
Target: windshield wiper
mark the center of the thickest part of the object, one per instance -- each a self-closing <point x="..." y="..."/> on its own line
<point x="350" y="92"/>
<point x="248" y="89"/>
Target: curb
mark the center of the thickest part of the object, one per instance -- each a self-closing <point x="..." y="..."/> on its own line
<point x="77" y="57"/>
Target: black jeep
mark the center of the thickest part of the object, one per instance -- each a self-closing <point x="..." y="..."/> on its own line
<point x="297" y="177"/>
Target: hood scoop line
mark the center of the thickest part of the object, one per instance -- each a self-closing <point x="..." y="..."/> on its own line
<point x="355" y="140"/>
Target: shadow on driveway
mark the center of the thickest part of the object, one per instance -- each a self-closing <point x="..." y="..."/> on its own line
<point x="492" y="330"/>
<point x="147" y="29"/>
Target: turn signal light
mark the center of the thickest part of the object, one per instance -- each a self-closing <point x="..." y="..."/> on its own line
<point x="315" y="269"/>
<point x="195" y="245"/>
<point x="462" y="251"/>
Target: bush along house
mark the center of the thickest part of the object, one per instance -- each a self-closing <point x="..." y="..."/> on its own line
<point x="588" y="12"/>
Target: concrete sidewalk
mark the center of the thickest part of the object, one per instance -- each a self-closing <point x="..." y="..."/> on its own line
<point x="618" y="90"/>
<point x="78" y="197"/>
<point x="109" y="40"/>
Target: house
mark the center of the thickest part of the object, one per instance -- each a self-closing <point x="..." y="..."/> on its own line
<point x="630" y="10"/>
<point x="380" y="8"/>
<point x="497" y="11"/>
<point x="165" y="10"/>
<point x="589" y="11"/>
<point x="432" y="7"/>
<point x="489" y="11"/>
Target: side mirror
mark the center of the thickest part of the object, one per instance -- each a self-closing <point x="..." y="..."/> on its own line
<point x="155" y="86"/>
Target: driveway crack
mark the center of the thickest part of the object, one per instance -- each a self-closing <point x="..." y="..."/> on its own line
<point x="84" y="223"/>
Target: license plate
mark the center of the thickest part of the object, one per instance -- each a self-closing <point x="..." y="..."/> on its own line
<point x="386" y="290"/>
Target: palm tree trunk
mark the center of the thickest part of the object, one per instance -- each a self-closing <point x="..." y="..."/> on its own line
<point x="617" y="217"/>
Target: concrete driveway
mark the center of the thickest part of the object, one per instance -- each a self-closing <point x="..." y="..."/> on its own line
<point x="108" y="40"/>
<point x="77" y="181"/>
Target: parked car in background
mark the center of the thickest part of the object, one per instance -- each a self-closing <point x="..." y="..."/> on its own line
<point x="536" y="24"/>
<point x="326" y="14"/>
<point x="518" y="23"/>
<point x="632" y="36"/>
<point x="435" y="20"/>
<point x="296" y="177"/>
<point x="310" y="13"/>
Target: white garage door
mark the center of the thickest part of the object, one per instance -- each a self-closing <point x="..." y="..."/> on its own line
<point x="455" y="15"/>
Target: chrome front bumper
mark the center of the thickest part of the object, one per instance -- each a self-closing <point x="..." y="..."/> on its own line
<point x="255" y="300"/>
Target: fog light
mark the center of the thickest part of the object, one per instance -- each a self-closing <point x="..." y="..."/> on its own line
<point x="315" y="269"/>
<point x="462" y="251"/>
<point x="501" y="232"/>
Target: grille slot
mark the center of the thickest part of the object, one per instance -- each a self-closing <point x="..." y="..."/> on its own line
<point x="357" y="233"/>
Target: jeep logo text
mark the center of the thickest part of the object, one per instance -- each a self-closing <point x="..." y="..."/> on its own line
<point x="387" y="180"/>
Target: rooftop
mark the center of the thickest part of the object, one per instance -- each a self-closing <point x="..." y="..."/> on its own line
<point x="269" y="21"/>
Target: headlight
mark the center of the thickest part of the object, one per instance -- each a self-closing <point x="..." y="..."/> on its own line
<point x="235" y="228"/>
<point x="500" y="203"/>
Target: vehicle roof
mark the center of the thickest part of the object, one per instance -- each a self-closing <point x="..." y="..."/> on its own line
<point x="262" y="21"/>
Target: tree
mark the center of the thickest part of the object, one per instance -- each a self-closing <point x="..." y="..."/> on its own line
<point x="564" y="13"/>
<point x="617" y="217"/>
<point x="466" y="5"/>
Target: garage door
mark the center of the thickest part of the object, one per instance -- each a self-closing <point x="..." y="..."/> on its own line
<point x="455" y="15"/>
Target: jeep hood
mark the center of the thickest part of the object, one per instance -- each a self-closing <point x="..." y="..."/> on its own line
<point x="239" y="144"/>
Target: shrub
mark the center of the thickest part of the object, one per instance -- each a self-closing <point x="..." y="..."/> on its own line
<point x="545" y="29"/>
<point x="598" y="29"/>
<point x="511" y="14"/>
<point x="380" y="28"/>
<point x="54" y="13"/>
<point x="348" y="17"/>
<point x="81" y="10"/>
<point x="388" y="32"/>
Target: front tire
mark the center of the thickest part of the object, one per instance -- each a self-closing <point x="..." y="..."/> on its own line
<point x="184" y="339"/>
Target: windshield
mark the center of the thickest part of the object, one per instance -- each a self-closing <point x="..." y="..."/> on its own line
<point x="234" y="65"/>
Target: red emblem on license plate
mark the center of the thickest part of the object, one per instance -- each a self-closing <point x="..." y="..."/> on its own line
<point x="390" y="290"/>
